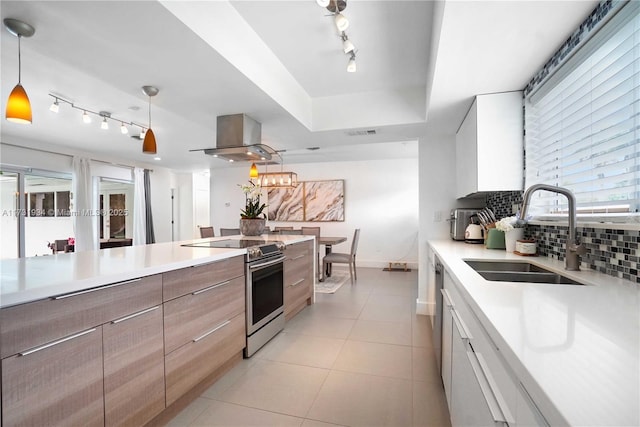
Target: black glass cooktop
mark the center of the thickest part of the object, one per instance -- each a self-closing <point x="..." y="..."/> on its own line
<point x="228" y="243"/>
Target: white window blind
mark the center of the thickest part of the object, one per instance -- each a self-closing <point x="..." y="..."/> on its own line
<point x="582" y="127"/>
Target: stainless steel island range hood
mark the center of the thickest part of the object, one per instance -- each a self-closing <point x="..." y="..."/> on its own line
<point x="238" y="139"/>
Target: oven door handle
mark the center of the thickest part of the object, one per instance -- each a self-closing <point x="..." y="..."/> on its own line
<point x="266" y="264"/>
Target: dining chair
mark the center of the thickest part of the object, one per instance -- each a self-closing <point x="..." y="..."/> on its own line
<point x="341" y="258"/>
<point x="283" y="228"/>
<point x="315" y="231"/>
<point x="206" y="232"/>
<point x="290" y="231"/>
<point x="229" y="231"/>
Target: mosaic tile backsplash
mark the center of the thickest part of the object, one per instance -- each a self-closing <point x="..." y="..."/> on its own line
<point x="613" y="252"/>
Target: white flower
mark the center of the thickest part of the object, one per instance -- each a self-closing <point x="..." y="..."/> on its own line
<point x="506" y="224"/>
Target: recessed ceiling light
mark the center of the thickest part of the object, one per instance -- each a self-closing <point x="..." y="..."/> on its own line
<point x="157" y="158"/>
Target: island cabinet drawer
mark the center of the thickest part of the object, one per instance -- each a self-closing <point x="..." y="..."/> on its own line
<point x="297" y="293"/>
<point x="193" y="314"/>
<point x="192" y="363"/>
<point x="58" y="384"/>
<point x="299" y="253"/>
<point x="30" y="325"/>
<point x="186" y="280"/>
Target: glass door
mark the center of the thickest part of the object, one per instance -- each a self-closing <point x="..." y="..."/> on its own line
<point x="10" y="211"/>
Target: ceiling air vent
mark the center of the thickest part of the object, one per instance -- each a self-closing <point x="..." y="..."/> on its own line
<point x="361" y="132"/>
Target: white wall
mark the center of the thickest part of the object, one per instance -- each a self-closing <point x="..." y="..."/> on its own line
<point x="381" y="198"/>
<point x="437" y="198"/>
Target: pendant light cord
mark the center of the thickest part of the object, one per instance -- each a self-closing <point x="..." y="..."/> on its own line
<point x="149" y="112"/>
<point x="19" y="60"/>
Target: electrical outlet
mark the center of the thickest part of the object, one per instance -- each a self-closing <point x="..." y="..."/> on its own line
<point x="514" y="208"/>
<point x="437" y="216"/>
<point x="227" y="204"/>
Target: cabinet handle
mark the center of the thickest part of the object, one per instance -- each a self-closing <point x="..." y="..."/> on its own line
<point x="462" y="327"/>
<point x="222" y="325"/>
<point x="96" y="289"/>
<point x="447" y="298"/>
<point x="210" y="288"/>
<point x="533" y="405"/>
<point x="297" y="283"/>
<point x="267" y="264"/>
<point x="131" y="316"/>
<point x="485" y="388"/>
<point x="495" y="390"/>
<point x="60" y="341"/>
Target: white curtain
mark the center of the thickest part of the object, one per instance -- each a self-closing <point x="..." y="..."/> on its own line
<point x="139" y="209"/>
<point x="84" y="217"/>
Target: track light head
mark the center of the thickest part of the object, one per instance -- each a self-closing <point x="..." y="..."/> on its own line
<point x="55" y="107"/>
<point x="351" y="66"/>
<point x="86" y="118"/>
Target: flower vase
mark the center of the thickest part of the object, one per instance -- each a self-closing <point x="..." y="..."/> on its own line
<point x="252" y="226"/>
<point x="510" y="238"/>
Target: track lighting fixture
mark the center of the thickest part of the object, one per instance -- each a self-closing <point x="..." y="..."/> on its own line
<point x="351" y="66"/>
<point x="149" y="143"/>
<point x="323" y="3"/>
<point x="342" y="23"/>
<point x="105" y="115"/>
<point x="55" y="107"/>
<point x="18" y="105"/>
<point x="104" y="125"/>
<point x="347" y="46"/>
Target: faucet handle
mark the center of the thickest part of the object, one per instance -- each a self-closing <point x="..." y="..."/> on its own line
<point x="578" y="248"/>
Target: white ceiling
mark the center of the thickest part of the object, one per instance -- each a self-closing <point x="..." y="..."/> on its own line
<point x="280" y="62"/>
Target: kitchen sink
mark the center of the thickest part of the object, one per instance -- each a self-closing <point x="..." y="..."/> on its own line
<point x="508" y="271"/>
<point x="505" y="266"/>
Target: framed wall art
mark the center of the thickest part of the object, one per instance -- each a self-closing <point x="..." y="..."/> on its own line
<point x="314" y="201"/>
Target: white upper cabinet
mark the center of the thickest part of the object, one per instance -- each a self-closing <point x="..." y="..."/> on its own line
<point x="489" y="145"/>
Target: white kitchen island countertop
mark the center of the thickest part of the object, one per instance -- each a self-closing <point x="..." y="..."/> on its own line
<point x="29" y="279"/>
<point x="575" y="347"/>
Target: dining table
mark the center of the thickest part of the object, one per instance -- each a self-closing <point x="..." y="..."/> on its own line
<point x="328" y="243"/>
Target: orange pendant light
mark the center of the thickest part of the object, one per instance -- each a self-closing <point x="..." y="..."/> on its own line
<point x="253" y="172"/>
<point x="149" y="144"/>
<point x="18" y="106"/>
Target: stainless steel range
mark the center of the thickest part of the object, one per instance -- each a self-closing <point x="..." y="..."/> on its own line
<point x="264" y="287"/>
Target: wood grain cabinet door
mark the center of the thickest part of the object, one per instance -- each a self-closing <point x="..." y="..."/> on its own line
<point x="134" y="368"/>
<point x="298" y="277"/>
<point x="57" y="384"/>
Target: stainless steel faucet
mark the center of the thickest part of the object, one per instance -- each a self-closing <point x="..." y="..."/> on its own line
<point x="574" y="248"/>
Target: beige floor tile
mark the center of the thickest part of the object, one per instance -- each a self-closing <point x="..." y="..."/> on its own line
<point x="190" y="413"/>
<point x="429" y="405"/>
<point x="375" y="359"/>
<point x="320" y="326"/>
<point x="304" y="350"/>
<point x="363" y="400"/>
<point x="425" y="367"/>
<point x="277" y="387"/>
<point x="314" y="423"/>
<point x="422" y="333"/>
<point x="229" y="378"/>
<point x="337" y="308"/>
<point x="228" y="414"/>
<point x="386" y="313"/>
<point x="405" y="289"/>
<point x="397" y="302"/>
<point x="382" y="332"/>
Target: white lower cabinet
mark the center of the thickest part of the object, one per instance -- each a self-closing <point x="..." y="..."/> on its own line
<point x="476" y="382"/>
<point x="528" y="413"/>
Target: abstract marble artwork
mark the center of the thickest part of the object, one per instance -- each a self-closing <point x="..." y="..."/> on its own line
<point x="309" y="201"/>
<point x="286" y="204"/>
<point x="324" y="200"/>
